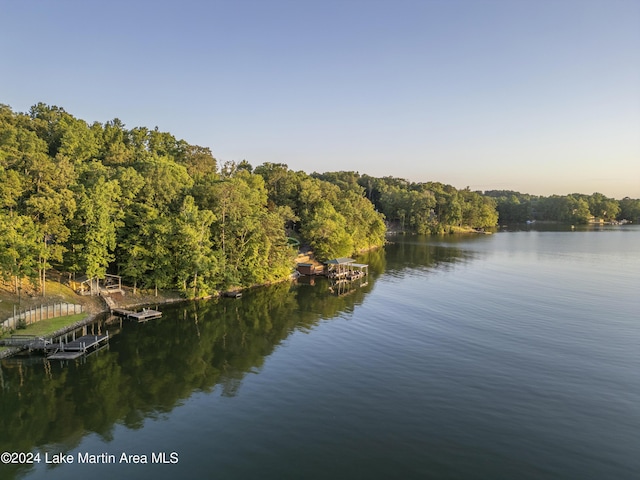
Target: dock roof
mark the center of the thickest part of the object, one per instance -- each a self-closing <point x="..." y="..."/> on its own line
<point x="340" y="261"/>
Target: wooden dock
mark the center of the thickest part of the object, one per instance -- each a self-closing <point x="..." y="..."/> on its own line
<point x="65" y="355"/>
<point x="76" y="348"/>
<point x="142" y="316"/>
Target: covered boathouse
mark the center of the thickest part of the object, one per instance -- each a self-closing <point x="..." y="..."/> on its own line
<point x="346" y="268"/>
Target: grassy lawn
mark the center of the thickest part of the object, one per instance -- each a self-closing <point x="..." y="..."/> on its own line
<point x="47" y="327"/>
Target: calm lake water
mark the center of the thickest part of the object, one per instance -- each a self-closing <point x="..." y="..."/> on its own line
<point x="506" y="356"/>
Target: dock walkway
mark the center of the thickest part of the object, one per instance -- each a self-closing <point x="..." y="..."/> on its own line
<point x="145" y="314"/>
<point x="58" y="350"/>
<point x="76" y="348"/>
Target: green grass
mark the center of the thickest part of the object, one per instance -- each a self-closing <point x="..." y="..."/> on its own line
<point x="47" y="327"/>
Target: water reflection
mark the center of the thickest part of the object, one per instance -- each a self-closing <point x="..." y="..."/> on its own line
<point x="420" y="253"/>
<point x="150" y="368"/>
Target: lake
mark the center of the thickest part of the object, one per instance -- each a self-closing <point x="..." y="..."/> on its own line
<point x="512" y="355"/>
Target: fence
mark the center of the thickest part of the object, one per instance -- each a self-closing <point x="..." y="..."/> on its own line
<point x="43" y="312"/>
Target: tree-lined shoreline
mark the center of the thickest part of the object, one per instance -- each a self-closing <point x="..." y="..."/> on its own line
<point x="91" y="199"/>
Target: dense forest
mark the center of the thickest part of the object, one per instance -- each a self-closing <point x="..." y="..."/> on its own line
<point x="90" y="199"/>
<point x="515" y="207"/>
<point x="433" y="207"/>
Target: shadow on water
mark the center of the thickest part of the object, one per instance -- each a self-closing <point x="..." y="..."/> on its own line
<point x="150" y="368"/>
<point x="429" y="253"/>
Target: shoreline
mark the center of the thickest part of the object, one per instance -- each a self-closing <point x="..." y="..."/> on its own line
<point x="106" y="309"/>
<point x="89" y="319"/>
<point x="164" y="299"/>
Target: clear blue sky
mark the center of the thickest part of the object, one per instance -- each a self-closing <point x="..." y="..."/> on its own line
<point x="540" y="96"/>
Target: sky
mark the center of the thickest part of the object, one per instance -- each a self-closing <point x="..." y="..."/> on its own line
<point x="537" y="96"/>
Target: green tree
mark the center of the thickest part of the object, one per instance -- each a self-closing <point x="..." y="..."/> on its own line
<point x="250" y="238"/>
<point x="100" y="216"/>
<point x="10" y="188"/>
<point x="283" y="185"/>
<point x="629" y="209"/>
<point x="146" y="255"/>
<point x="19" y="248"/>
<point x="165" y="182"/>
<point x="193" y="255"/>
<point x="577" y="210"/>
<point x="365" y="226"/>
<point x="52" y="210"/>
<point x="326" y="231"/>
<point x="478" y="211"/>
<point x="199" y="161"/>
<point x="77" y="141"/>
<point x="114" y="148"/>
<point x="603" y="207"/>
<point x="449" y="209"/>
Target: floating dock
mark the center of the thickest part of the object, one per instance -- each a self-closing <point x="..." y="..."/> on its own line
<point x="142" y="316"/>
<point x="76" y="348"/>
